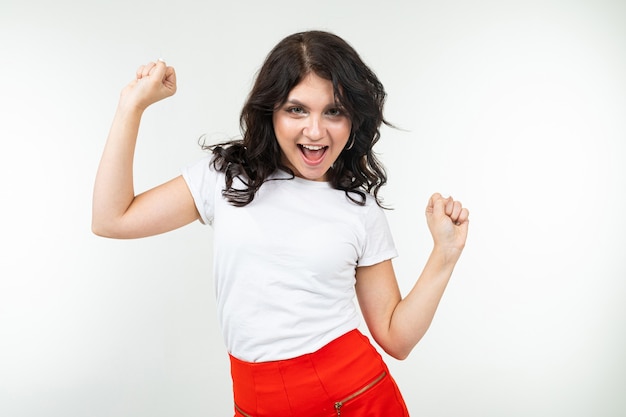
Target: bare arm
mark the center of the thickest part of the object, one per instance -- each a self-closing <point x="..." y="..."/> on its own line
<point x="117" y="211"/>
<point x="398" y="324"/>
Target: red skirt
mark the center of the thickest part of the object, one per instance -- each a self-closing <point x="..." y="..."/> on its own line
<point x="347" y="377"/>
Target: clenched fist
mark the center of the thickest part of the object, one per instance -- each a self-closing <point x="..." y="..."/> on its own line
<point x="448" y="222"/>
<point x="154" y="81"/>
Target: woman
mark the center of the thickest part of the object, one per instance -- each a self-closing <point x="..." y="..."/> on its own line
<point x="298" y="228"/>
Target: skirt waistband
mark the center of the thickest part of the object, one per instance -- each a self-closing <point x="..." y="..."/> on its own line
<point x="309" y="384"/>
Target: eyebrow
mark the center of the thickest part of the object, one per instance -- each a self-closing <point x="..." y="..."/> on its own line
<point x="296" y="102"/>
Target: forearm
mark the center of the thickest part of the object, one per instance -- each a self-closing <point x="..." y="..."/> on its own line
<point x="413" y="315"/>
<point x="114" y="189"/>
<point x="397" y="324"/>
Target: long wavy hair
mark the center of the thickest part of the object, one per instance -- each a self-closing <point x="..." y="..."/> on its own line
<point x="257" y="155"/>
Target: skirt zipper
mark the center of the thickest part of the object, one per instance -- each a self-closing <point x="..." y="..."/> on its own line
<point x="369" y="386"/>
<point x="338" y="404"/>
<point x="241" y="411"/>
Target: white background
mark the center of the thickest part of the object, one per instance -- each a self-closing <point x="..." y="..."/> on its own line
<point x="518" y="109"/>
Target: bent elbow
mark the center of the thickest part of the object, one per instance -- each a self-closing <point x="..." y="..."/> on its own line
<point x="98" y="230"/>
<point x="400" y="354"/>
<point x="397" y="349"/>
<point x="104" y="229"/>
<point x="105" y="225"/>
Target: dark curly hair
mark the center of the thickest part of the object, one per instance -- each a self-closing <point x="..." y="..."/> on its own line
<point x="357" y="90"/>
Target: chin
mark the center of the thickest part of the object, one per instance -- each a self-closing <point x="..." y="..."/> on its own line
<point x="312" y="175"/>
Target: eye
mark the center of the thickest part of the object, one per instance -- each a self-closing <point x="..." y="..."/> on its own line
<point x="295" y="110"/>
<point x="335" y="112"/>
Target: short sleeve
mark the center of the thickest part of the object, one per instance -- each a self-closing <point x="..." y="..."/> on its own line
<point x="201" y="178"/>
<point x="378" y="245"/>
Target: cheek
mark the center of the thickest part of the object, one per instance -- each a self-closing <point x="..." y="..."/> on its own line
<point x="283" y="128"/>
<point x="342" y="132"/>
<point x="284" y="136"/>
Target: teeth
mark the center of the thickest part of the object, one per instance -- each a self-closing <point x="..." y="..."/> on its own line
<point x="313" y="147"/>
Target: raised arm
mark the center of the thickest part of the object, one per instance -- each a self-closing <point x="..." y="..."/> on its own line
<point x="117" y="212"/>
<point x="398" y="324"/>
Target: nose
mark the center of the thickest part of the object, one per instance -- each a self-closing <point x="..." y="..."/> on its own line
<point x="314" y="128"/>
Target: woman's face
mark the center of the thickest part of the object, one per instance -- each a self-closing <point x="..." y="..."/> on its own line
<point x="311" y="128"/>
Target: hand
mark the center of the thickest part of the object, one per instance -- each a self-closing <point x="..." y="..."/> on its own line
<point x="448" y="222"/>
<point x="154" y="82"/>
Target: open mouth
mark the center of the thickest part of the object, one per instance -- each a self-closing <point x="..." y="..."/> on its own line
<point x="313" y="154"/>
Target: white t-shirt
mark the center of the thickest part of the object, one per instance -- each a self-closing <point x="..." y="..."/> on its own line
<point x="284" y="265"/>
